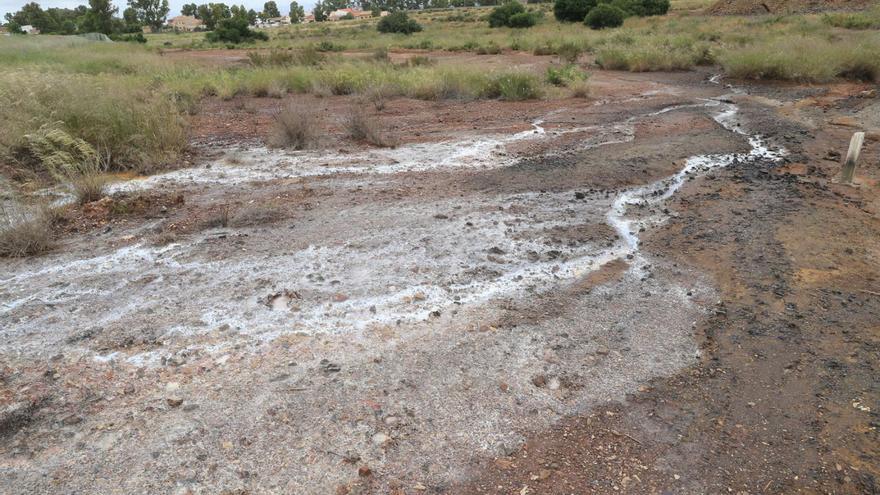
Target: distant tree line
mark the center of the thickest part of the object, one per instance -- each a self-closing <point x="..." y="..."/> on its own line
<point x="99" y="17"/>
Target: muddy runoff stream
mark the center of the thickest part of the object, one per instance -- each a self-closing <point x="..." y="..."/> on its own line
<point x="411" y="335"/>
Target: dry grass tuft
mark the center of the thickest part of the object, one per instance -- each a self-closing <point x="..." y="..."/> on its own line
<point x="25" y="233"/>
<point x="296" y="127"/>
<point x="362" y="127"/>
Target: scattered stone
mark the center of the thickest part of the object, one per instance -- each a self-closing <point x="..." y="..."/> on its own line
<point x="338" y="297"/>
<point x="364" y="471"/>
<point x="539" y="381"/>
<point x="329" y="367"/>
<point x="174" y="401"/>
<point x="71" y="420"/>
<point x="380" y="439"/>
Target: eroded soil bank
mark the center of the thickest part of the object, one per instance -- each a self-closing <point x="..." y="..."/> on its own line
<point x="518" y="299"/>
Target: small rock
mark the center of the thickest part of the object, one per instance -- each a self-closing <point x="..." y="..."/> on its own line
<point x="174" y="401"/>
<point x="71" y="420"/>
<point x="338" y="297"/>
<point x="380" y="439"/>
<point x="364" y="471"/>
<point x="539" y="381"/>
<point x="329" y="367"/>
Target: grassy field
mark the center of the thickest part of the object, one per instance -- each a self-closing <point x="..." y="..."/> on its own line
<point x="129" y="102"/>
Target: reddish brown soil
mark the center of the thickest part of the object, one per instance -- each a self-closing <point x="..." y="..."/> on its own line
<point x="785" y="398"/>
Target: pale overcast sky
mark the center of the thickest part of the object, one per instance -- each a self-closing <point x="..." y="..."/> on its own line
<point x="283" y="5"/>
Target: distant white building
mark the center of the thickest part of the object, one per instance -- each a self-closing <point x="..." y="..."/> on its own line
<point x="274" y="21"/>
<point x="28" y="29"/>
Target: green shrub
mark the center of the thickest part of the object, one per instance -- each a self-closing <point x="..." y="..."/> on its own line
<point x="500" y="16"/>
<point x="564" y="76"/>
<point x="329" y="46"/>
<point x="641" y="8"/>
<point x="572" y="10"/>
<point x="604" y="16"/>
<point x="398" y="22"/>
<point x="522" y="20"/>
<point x="132" y="38"/>
<point x="235" y="30"/>
<point x="513" y="86"/>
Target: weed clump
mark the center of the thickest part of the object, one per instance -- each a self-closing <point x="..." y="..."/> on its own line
<point x="295" y="127"/>
<point x="24" y="233"/>
<point x="565" y="75"/>
<point x="362" y="127"/>
<point x="69" y="160"/>
<point x="514" y="86"/>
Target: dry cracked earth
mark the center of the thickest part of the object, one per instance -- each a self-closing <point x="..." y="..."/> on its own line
<point x="659" y="289"/>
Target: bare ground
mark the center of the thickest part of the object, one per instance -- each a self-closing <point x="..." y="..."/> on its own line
<point x="459" y="314"/>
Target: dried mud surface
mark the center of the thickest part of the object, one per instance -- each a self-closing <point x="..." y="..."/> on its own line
<point x="515" y="300"/>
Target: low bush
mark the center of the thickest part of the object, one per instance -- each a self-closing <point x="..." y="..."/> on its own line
<point x="569" y="52"/>
<point x="69" y="160"/>
<point x="275" y="57"/>
<point x="572" y="10"/>
<point x="24" y="232"/>
<point x="514" y="86"/>
<point x="641" y="8"/>
<point x="235" y="30"/>
<point x="398" y="22"/>
<point x="362" y="127"/>
<point x="804" y="60"/>
<point x="565" y="75"/>
<point x="295" y="127"/>
<point x="133" y="126"/>
<point x="511" y="14"/>
<point x="653" y="53"/>
<point x="522" y="20"/>
<point x="605" y="16"/>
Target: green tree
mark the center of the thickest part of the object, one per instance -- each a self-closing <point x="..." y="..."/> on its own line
<point x="398" y="22"/>
<point x="150" y="12"/>
<point x="132" y="22"/>
<point x="99" y="18"/>
<point x="189" y="9"/>
<point x="320" y="11"/>
<point x="270" y="10"/>
<point x="297" y="13"/>
<point x="14" y="27"/>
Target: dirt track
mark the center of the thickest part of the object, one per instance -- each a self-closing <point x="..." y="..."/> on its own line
<point x="359" y="320"/>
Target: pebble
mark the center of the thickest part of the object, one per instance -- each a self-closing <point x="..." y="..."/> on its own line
<point x="174" y="401"/>
<point x="380" y="438"/>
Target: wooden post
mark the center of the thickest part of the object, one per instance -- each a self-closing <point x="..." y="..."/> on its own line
<point x="852" y="157"/>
